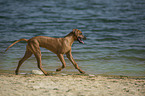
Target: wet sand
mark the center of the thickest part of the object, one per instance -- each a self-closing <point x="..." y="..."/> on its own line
<point x="70" y="85"/>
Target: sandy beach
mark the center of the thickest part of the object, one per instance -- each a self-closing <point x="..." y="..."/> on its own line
<point x="70" y="85"/>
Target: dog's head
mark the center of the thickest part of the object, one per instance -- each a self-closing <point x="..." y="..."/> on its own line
<point x="78" y="35"/>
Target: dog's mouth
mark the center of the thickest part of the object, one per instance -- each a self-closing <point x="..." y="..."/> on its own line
<point x="80" y="40"/>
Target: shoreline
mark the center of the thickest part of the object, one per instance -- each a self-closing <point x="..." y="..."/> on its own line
<point x="73" y="73"/>
<point x="61" y="84"/>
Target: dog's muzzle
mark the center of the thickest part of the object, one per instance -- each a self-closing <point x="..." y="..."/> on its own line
<point x="80" y="40"/>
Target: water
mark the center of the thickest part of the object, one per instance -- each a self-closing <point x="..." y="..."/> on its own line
<point x="115" y="31"/>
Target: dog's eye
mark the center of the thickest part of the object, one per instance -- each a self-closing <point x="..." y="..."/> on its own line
<point x="80" y="33"/>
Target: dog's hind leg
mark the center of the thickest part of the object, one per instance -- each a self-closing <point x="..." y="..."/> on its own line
<point x="60" y="56"/>
<point x="38" y="57"/>
<point x="34" y="47"/>
<point x="28" y="54"/>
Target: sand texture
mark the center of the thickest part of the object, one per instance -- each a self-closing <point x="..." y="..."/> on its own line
<point x="70" y="85"/>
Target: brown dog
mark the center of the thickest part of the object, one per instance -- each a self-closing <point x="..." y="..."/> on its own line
<point x="59" y="46"/>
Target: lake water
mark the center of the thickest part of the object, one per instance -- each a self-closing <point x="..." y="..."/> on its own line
<point x="115" y="31"/>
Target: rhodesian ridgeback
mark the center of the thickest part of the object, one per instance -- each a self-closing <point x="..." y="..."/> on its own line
<point x="59" y="46"/>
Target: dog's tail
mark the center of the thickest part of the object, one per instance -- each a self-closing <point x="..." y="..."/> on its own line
<point x="16" y="42"/>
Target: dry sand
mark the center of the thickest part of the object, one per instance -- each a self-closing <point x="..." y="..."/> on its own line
<point x="70" y="85"/>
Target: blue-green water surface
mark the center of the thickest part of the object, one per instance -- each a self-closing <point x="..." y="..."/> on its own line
<point x="115" y="31"/>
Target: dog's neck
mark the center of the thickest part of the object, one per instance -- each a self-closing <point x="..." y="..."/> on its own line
<point x="70" y="37"/>
<point x="70" y="34"/>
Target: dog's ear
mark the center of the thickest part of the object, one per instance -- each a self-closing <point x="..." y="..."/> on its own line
<point x="75" y="31"/>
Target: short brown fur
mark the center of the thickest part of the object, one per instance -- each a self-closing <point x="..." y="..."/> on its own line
<point x="59" y="46"/>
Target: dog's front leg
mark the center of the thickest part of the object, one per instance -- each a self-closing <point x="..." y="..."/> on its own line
<point x="60" y="56"/>
<point x="70" y="57"/>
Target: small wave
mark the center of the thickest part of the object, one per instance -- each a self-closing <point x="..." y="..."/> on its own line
<point x="105" y="20"/>
<point x="5" y="17"/>
<point x="136" y="51"/>
<point x="111" y="47"/>
<point x="107" y="39"/>
<point x="133" y="58"/>
<point x="12" y="41"/>
<point x="79" y="52"/>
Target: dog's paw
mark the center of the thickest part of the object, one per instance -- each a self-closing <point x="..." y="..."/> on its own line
<point x="16" y="72"/>
<point x="47" y="74"/>
<point x="59" y="69"/>
<point x="82" y="72"/>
